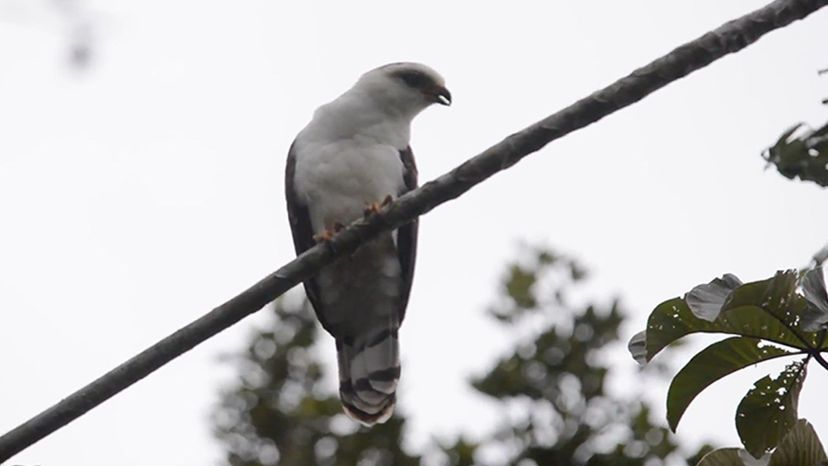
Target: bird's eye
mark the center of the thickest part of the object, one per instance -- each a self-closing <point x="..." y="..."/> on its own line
<point x="414" y="79"/>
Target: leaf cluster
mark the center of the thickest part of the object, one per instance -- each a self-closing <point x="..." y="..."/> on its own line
<point x="784" y="316"/>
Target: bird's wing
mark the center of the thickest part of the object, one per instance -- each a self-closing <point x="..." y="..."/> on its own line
<point x="407" y="234"/>
<point x="300" y="227"/>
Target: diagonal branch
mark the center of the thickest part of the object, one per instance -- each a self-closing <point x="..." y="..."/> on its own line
<point x="729" y="38"/>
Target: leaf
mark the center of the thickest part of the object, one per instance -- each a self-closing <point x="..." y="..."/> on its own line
<point x="673" y="319"/>
<point x="802" y="156"/>
<point x="732" y="457"/>
<point x="638" y="347"/>
<point x="520" y="287"/>
<point x="801" y="447"/>
<point x="711" y="364"/>
<point x="706" y="300"/>
<point x="775" y="295"/>
<point x="786" y="136"/>
<point x="778" y="297"/>
<point x="722" y="457"/>
<point x="820" y="256"/>
<point x="815" y="316"/>
<point x="769" y="410"/>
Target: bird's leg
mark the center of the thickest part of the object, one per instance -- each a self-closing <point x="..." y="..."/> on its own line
<point x="375" y="207"/>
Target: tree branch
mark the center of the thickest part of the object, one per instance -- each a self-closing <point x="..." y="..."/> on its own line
<point x="729" y="38"/>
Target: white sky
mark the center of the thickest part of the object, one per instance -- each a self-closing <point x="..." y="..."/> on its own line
<point x="139" y="195"/>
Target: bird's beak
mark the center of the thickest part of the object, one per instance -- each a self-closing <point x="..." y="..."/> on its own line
<point x="441" y="95"/>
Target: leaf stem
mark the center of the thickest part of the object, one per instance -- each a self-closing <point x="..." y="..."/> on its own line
<point x="818" y="358"/>
<point x="817" y="353"/>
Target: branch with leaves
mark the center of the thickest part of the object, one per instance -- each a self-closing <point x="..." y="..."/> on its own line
<point x="694" y="55"/>
<point x="784" y="316"/>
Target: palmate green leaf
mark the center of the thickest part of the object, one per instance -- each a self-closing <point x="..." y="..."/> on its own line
<point x="673" y="319"/>
<point x="813" y="288"/>
<point x="801" y="447"/>
<point x="711" y="364"/>
<point x="706" y="300"/>
<point x="769" y="410"/>
<point x="769" y="309"/>
<point x="722" y="457"/>
<point x="778" y="297"/>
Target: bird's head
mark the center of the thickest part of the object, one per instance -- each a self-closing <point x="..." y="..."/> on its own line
<point x="404" y="88"/>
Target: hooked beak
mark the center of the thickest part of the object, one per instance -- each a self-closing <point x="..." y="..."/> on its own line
<point x="441" y="95"/>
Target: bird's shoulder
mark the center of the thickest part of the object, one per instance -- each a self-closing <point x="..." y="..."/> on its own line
<point x="351" y="120"/>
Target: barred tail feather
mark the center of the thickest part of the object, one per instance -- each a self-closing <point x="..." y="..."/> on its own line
<point x="368" y="373"/>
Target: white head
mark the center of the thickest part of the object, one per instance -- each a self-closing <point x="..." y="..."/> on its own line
<point x="403" y="88"/>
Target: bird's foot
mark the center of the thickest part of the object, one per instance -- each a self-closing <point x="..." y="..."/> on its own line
<point x="325" y="236"/>
<point x="375" y="207"/>
<point x="328" y="233"/>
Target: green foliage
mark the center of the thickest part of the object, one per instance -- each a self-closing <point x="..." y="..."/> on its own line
<point x="711" y="364"/>
<point x="722" y="457"/>
<point x="790" y="309"/>
<point x="559" y="376"/>
<point x="801" y="447"/>
<point x="770" y="409"/>
<point x="551" y="387"/>
<point x="279" y="412"/>
<point x="804" y="156"/>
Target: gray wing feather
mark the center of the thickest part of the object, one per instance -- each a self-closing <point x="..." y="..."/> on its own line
<point x="300" y="227"/>
<point x="407" y="234"/>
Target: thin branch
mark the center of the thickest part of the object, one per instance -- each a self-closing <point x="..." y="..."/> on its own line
<point x="729" y="38"/>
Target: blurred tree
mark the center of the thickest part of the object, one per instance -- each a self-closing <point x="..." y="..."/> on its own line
<point x="553" y="387"/>
<point x="558" y="379"/>
<point x="278" y="412"/>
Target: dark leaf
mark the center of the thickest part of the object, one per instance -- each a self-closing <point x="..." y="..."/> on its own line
<point x="815" y="316"/>
<point x="722" y="457"/>
<point x="778" y="297"/>
<point x="638" y="347"/>
<point x="711" y="364"/>
<point x="673" y="319"/>
<point x="820" y="256"/>
<point x="706" y="300"/>
<point x="769" y="410"/>
<point x="802" y="156"/>
<point x="801" y="447"/>
<point x="519" y="287"/>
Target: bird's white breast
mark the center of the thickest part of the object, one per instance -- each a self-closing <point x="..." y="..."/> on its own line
<point x="338" y="179"/>
<point x="348" y="157"/>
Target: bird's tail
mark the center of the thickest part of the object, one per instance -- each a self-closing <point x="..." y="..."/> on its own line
<point x="369" y="369"/>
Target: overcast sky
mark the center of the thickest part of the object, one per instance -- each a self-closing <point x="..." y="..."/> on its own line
<point x="142" y="192"/>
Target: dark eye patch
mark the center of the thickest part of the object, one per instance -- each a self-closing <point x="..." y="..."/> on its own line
<point x="415" y="79"/>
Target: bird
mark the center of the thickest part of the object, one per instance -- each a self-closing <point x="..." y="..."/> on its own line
<point x="350" y="160"/>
